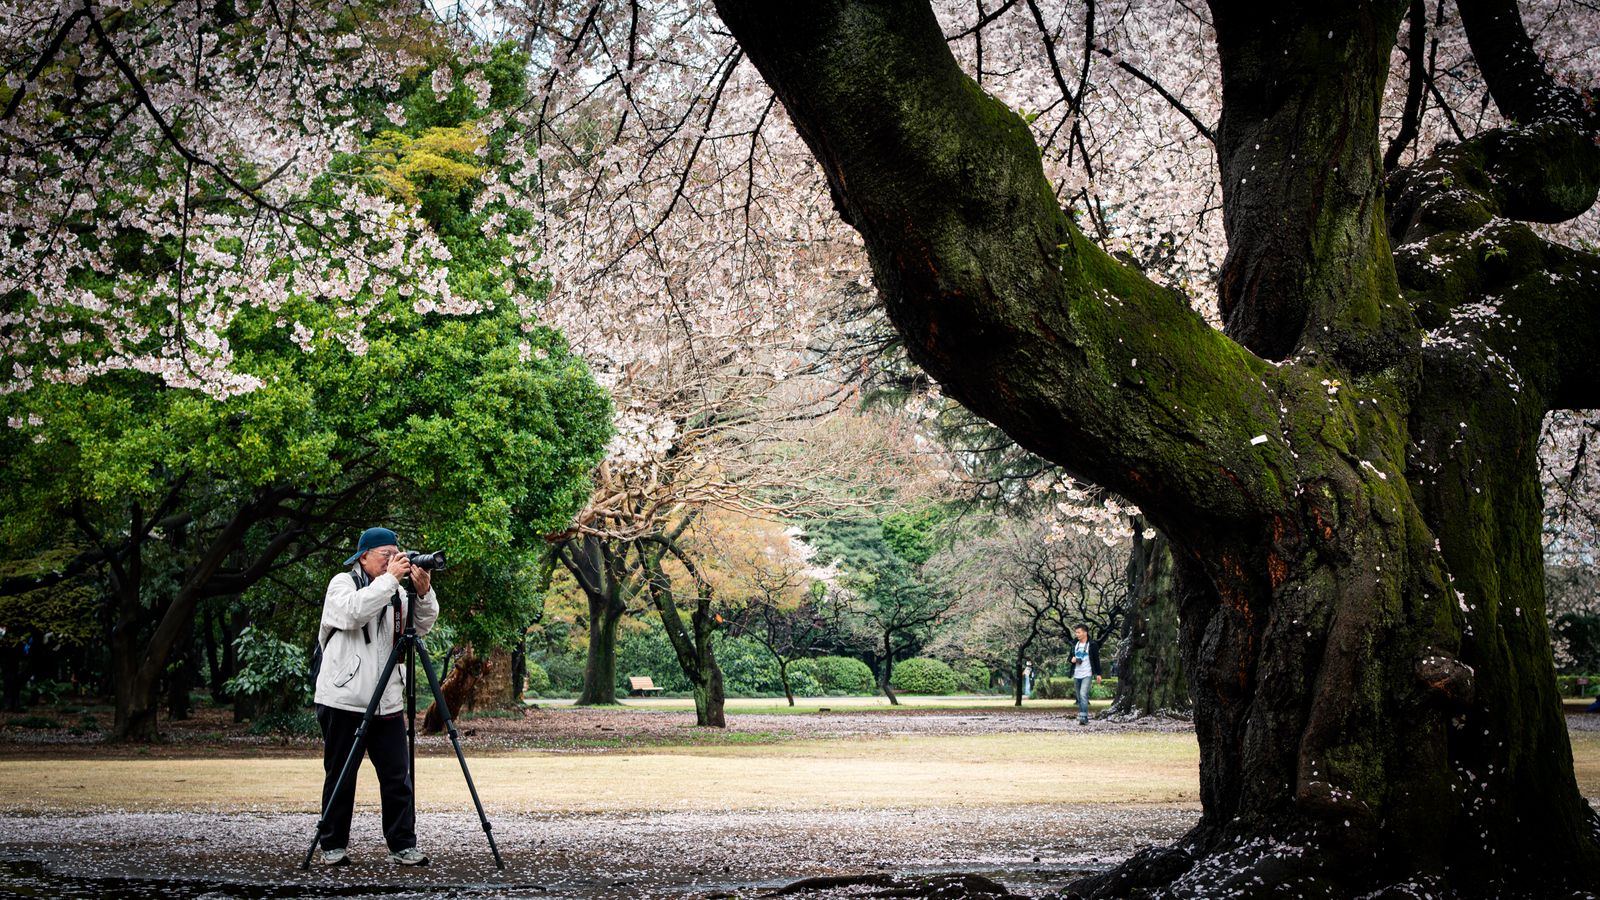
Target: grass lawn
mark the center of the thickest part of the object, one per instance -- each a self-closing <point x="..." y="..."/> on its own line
<point x="909" y="771"/>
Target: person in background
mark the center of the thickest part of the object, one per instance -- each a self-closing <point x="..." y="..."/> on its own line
<point x="1085" y="666"/>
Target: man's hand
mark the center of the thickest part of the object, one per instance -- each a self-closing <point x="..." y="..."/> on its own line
<point x="421" y="579"/>
<point x="399" y="566"/>
<point x="1098" y="679"/>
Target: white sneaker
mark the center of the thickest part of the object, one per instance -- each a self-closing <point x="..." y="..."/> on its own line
<point x="410" y="856"/>
<point x="335" y="857"/>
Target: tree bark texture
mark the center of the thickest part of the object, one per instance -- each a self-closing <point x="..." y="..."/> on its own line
<point x="1149" y="665"/>
<point x="1346" y="475"/>
<point x="476" y="681"/>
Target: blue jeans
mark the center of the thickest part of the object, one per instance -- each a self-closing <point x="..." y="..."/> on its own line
<point x="1083" y="697"/>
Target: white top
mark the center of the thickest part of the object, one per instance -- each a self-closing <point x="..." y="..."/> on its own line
<point x="1081" y="668"/>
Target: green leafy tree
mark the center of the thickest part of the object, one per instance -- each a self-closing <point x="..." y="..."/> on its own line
<point x="886" y="594"/>
<point x="471" y="432"/>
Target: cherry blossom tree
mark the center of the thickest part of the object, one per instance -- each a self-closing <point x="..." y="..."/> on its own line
<point x="1345" y="467"/>
<point x="197" y="139"/>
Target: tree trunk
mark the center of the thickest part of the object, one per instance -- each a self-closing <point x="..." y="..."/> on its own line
<point x="214" y="670"/>
<point x="783" y="676"/>
<point x="1355" y="532"/>
<point x="475" y="682"/>
<point x="180" y="677"/>
<point x="1149" y="664"/>
<point x="11" y="660"/>
<point x="1016" y="687"/>
<point x="710" y="701"/>
<point x="695" y="650"/>
<point x="519" y="670"/>
<point x="888" y="673"/>
<point x="133" y="695"/>
<point x="597" y="568"/>
<point x="600" y="669"/>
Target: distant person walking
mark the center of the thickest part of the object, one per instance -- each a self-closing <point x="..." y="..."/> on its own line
<point x="1027" y="680"/>
<point x="1085" y="666"/>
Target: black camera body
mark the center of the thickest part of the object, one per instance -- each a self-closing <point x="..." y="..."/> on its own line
<point x="430" y="561"/>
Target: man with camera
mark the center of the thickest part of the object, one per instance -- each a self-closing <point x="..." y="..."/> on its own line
<point x="363" y="617"/>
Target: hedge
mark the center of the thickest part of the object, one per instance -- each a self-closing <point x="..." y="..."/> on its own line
<point x="924" y="675"/>
<point x="536" y="681"/>
<point x="837" y="674"/>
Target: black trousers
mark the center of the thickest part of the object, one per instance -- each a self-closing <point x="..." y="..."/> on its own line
<point x="386" y="747"/>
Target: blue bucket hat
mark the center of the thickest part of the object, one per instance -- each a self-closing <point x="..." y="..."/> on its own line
<point x="372" y="537"/>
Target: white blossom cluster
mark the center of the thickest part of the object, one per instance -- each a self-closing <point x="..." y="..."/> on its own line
<point x="164" y="167"/>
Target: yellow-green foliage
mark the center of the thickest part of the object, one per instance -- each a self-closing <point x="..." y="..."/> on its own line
<point x="406" y="166"/>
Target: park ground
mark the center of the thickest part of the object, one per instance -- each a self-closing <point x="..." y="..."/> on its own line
<point x="623" y="802"/>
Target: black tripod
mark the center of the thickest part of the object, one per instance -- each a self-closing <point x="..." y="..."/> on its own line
<point x="414" y="649"/>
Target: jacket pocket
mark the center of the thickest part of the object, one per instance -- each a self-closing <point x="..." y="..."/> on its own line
<point x="343" y="678"/>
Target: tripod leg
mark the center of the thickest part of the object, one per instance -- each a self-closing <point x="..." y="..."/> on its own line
<point x="354" y="759"/>
<point x="411" y="716"/>
<point x="455" y="741"/>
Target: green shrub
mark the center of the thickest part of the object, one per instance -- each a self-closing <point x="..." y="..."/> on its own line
<point x="43" y="691"/>
<point x="647" y="651"/>
<point x="565" y="671"/>
<point x="1104" y="690"/>
<point x="924" y="675"/>
<point x="536" y="681"/>
<point x="803" y="681"/>
<point x="273" y="672"/>
<point x="840" y="674"/>
<point x="972" y="676"/>
<point x="36" y="722"/>
<point x="747" y="668"/>
<point x="299" y="722"/>
<point x="1058" y="688"/>
<point x="1569" y="687"/>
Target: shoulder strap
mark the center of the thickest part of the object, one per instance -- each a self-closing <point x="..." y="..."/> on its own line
<point x="359" y="577"/>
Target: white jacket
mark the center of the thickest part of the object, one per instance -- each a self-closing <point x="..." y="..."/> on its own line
<point x="350" y="664"/>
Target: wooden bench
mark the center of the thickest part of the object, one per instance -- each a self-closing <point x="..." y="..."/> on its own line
<point x="639" y="686"/>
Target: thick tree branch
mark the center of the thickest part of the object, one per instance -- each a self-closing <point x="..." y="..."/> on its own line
<point x="1521" y="86"/>
<point x="1079" y="358"/>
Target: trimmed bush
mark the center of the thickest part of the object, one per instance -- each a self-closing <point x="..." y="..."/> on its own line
<point x="1058" y="688"/>
<point x="748" y="670"/>
<point x="972" y="676"/>
<point x="838" y="674"/>
<point x="1105" y="690"/>
<point x="1569" y="687"/>
<point x="924" y="675"/>
<point x="802" y="681"/>
<point x="536" y="681"/>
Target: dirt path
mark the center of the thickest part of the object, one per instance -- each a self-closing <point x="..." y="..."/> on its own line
<point x="660" y="854"/>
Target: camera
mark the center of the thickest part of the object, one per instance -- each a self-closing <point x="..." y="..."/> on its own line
<point x="430" y="561"/>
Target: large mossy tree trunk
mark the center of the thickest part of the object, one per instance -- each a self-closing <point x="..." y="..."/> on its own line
<point x="597" y="566"/>
<point x="1149" y="664"/>
<point x="1347" y="474"/>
